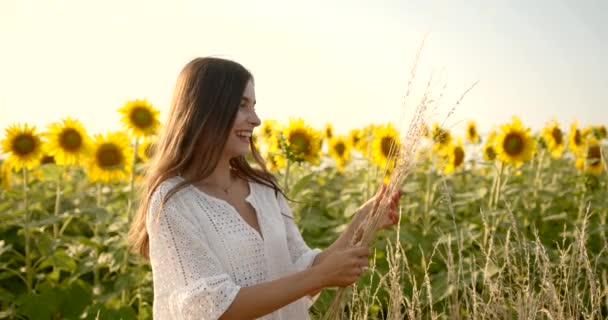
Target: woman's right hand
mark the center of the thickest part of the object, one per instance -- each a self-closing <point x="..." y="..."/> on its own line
<point x="344" y="266"/>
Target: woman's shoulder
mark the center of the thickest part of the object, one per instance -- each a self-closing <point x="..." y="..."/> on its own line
<point x="165" y="189"/>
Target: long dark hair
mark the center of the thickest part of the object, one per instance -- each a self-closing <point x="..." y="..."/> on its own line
<point x="205" y="103"/>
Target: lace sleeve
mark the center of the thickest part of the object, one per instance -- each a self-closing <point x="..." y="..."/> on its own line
<point x="301" y="255"/>
<point x="186" y="270"/>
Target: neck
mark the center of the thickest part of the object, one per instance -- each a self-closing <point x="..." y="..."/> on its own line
<point x="221" y="176"/>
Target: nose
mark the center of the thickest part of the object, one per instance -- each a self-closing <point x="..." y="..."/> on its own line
<point x="254" y="119"/>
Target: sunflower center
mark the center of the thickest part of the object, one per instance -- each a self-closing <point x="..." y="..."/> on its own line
<point x="490" y="153"/>
<point x="594" y="152"/>
<point x="340" y="148"/>
<point x="556" y="133"/>
<point x="24" y="144"/>
<point x="70" y="139"/>
<point x="329" y="133"/>
<point x="386" y="144"/>
<point x="458" y="156"/>
<point x="108" y="156"/>
<point x="267" y="132"/>
<point x="441" y="136"/>
<point x="47" y="159"/>
<point x="299" y="142"/>
<point x="577" y="137"/>
<point x="472" y="132"/>
<point x="514" y="144"/>
<point x="141" y="117"/>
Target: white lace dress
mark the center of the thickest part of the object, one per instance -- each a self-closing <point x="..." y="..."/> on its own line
<point x="202" y="252"/>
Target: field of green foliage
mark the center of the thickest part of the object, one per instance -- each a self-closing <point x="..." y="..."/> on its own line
<point x="511" y="224"/>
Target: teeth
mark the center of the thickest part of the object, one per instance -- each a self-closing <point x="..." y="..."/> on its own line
<point x="245" y="134"/>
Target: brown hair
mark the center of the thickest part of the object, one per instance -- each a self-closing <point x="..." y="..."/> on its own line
<point x="205" y="102"/>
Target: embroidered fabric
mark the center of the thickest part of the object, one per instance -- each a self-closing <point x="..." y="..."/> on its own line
<point x="202" y="251"/>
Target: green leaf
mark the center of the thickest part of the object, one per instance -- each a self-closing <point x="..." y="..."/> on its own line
<point x="60" y="260"/>
<point x="77" y="298"/>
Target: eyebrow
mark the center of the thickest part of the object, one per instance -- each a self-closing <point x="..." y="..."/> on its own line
<point x="248" y="100"/>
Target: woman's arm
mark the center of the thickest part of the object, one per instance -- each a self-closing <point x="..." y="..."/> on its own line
<point x="258" y="300"/>
<point x="342" y="268"/>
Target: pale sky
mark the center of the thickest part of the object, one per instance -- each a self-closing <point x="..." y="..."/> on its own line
<point x="346" y="62"/>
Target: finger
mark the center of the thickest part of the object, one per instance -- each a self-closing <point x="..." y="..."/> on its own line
<point x="361" y="251"/>
<point x="380" y="194"/>
<point x="363" y="262"/>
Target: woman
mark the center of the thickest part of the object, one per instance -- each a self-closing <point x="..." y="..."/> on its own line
<point x="219" y="234"/>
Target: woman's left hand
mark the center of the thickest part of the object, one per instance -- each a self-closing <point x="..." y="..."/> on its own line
<point x="391" y="217"/>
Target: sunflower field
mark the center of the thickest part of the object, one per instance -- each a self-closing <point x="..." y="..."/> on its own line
<point x="509" y="224"/>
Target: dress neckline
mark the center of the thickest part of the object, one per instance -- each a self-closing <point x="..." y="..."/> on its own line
<point x="248" y="198"/>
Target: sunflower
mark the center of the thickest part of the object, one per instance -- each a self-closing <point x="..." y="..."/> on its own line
<point x="553" y="137"/>
<point x="576" y="140"/>
<point x="489" y="152"/>
<point x="601" y="132"/>
<point x="300" y="142"/>
<point x="441" y="138"/>
<point x="140" y="117"/>
<point x="145" y="150"/>
<point x="514" y="145"/>
<point x="275" y="160"/>
<point x="598" y="132"/>
<point x="23" y="145"/>
<point x="67" y="142"/>
<point x="328" y="132"/>
<point x="111" y="158"/>
<point x="472" y="134"/>
<point x="269" y="130"/>
<point x="593" y="159"/>
<point x="385" y="146"/>
<point x="339" y="149"/>
<point x="354" y="137"/>
<point x="366" y="135"/>
<point x="455" y="157"/>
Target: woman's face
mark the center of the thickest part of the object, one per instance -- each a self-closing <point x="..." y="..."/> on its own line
<point x="242" y="130"/>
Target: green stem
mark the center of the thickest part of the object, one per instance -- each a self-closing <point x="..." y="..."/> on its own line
<point x="125" y="264"/>
<point x="499" y="184"/>
<point x="29" y="275"/>
<point x="95" y="238"/>
<point x="132" y="181"/>
<point x="537" y="176"/>
<point x="57" y="204"/>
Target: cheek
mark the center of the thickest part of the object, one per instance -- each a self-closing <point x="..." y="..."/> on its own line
<point x="241" y="118"/>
